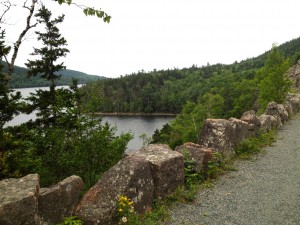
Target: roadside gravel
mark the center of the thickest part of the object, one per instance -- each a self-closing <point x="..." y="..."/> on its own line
<point x="263" y="191"/>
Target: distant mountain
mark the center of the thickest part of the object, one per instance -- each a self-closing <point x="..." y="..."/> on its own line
<point x="19" y="78"/>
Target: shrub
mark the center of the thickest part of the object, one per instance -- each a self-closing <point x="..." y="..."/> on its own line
<point x="214" y="166"/>
<point x="191" y="176"/>
<point x="72" y="220"/>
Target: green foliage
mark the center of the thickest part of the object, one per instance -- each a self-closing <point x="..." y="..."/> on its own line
<point x="162" y="136"/>
<point x="194" y="93"/>
<point x="158" y="215"/>
<point x="52" y="50"/>
<point x="245" y="97"/>
<point x="86" y="149"/>
<point x="248" y="147"/>
<point x="126" y="214"/>
<point x="214" y="167"/>
<point x="183" y="194"/>
<point x="99" y="13"/>
<point x="89" y="11"/>
<point x="9" y="107"/>
<point x="72" y="220"/>
<point x="273" y="81"/>
<point x="9" y="102"/>
<point x="187" y="125"/>
<point x="251" y="146"/>
<point x="19" y="157"/>
<point x="295" y="58"/>
<point x="61" y="141"/>
<point x="213" y="104"/>
<point x="191" y="176"/>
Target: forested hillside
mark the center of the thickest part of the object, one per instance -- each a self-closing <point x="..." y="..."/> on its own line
<point x="167" y="91"/>
<point x="19" y="78"/>
<point x="197" y="93"/>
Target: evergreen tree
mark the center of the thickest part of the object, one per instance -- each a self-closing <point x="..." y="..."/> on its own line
<point x="53" y="49"/>
<point x="50" y="104"/>
<point x="8" y="101"/>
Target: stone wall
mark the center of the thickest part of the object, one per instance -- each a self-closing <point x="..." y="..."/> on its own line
<point x="22" y="201"/>
<point x="224" y="135"/>
<point x="294" y="75"/>
<point x="151" y="173"/>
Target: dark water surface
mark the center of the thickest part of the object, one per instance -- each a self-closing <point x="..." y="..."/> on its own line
<point x="137" y="125"/>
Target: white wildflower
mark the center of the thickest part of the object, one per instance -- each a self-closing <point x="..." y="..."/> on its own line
<point x="124" y="219"/>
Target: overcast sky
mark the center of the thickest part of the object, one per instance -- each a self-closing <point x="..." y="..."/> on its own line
<point x="162" y="34"/>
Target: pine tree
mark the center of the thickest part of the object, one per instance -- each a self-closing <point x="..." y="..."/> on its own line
<point x="9" y="105"/>
<point x="51" y="51"/>
<point x="52" y="103"/>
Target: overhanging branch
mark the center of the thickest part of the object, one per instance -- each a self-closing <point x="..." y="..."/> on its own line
<point x="21" y="36"/>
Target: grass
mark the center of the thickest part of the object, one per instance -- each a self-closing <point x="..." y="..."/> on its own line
<point x="252" y="146"/>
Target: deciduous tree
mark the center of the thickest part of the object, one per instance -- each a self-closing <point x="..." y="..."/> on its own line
<point x="273" y="81"/>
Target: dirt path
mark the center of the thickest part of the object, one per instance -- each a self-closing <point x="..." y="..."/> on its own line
<point x="262" y="192"/>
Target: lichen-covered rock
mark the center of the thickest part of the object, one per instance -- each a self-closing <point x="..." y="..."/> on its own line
<point x="167" y="168"/>
<point x="272" y="109"/>
<point x="197" y="154"/>
<point x="131" y="177"/>
<point x="294" y="75"/>
<point x="274" y="122"/>
<point x="19" y="200"/>
<point x="294" y="99"/>
<point x="220" y="135"/>
<point x="242" y="129"/>
<point x="59" y="201"/>
<point x="289" y="108"/>
<point x="251" y="118"/>
<point x="284" y="116"/>
<point x="268" y="122"/>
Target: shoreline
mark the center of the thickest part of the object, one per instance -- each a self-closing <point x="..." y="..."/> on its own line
<point x="133" y="114"/>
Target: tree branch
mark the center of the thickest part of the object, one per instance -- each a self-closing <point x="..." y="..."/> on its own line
<point x="7" y="5"/>
<point x="23" y="33"/>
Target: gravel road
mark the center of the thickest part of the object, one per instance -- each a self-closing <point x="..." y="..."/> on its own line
<point x="263" y="191"/>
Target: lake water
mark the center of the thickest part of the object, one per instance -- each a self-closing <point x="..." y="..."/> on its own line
<point x="137" y="125"/>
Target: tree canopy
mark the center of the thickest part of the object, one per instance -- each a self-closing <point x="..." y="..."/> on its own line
<point x="274" y="83"/>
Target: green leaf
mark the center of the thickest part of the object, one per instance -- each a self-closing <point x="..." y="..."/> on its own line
<point x="107" y="19"/>
<point x="91" y="12"/>
<point x="6" y="50"/>
<point x="100" y="14"/>
<point x="85" y="11"/>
